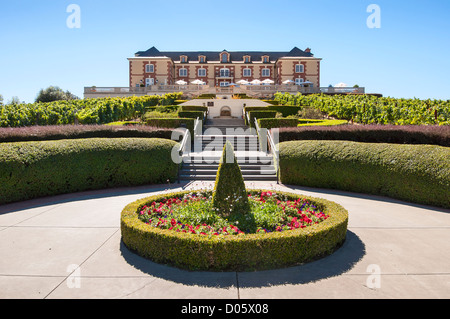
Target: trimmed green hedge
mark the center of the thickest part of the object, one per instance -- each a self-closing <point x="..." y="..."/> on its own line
<point x="414" y="173"/>
<point x="194" y="108"/>
<point x="192" y="115"/>
<point x="64" y="132"/>
<point x="172" y="123"/>
<point x="397" y="134"/>
<point x="35" y="169"/>
<point x="260" y="115"/>
<point x="277" y="122"/>
<point x="286" y="110"/>
<point x="234" y="253"/>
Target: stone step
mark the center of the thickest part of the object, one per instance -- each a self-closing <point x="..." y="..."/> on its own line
<point x="214" y="172"/>
<point x="215" y="160"/>
<point x="216" y="166"/>
<point x="272" y="178"/>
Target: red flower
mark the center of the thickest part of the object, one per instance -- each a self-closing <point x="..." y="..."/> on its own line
<point x="173" y="222"/>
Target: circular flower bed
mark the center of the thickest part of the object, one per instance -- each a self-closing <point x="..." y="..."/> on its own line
<point x="193" y="213"/>
<point x="281" y="229"/>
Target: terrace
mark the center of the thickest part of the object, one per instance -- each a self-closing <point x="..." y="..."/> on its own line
<point x="195" y="90"/>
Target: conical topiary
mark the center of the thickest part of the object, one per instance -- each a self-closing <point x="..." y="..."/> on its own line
<point x="230" y="195"/>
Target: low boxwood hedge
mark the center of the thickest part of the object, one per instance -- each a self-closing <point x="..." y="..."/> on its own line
<point x="404" y="134"/>
<point x="192" y="115"/>
<point x="260" y="115"/>
<point x="194" y="108"/>
<point x="285" y="110"/>
<point x="234" y="253"/>
<point x="172" y="123"/>
<point x="414" y="173"/>
<point x="62" y="132"/>
<point x="35" y="169"/>
<point x="277" y="122"/>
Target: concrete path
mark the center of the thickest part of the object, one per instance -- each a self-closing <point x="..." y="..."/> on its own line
<point x="69" y="246"/>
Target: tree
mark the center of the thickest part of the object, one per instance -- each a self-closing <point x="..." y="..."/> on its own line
<point x="1" y="100"/>
<point x="14" y="101"/>
<point x="230" y="196"/>
<point x="54" y="93"/>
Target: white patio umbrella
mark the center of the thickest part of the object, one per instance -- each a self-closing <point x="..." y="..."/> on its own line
<point x="268" y="81"/>
<point x="181" y="82"/>
<point x="243" y="82"/>
<point x="341" y="85"/>
<point x="288" y="82"/>
<point x="197" y="82"/>
<point x="255" y="82"/>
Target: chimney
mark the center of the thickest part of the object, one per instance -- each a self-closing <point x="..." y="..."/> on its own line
<point x="308" y="50"/>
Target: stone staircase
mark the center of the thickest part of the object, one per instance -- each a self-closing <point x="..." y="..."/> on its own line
<point x="202" y="163"/>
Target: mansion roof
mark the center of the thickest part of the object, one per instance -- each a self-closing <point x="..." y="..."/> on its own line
<point x="215" y="55"/>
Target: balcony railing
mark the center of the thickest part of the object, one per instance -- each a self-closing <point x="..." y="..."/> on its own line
<point x="251" y="90"/>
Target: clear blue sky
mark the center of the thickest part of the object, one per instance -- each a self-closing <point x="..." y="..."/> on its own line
<point x="407" y="57"/>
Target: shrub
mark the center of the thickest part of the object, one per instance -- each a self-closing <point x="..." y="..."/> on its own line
<point x="172" y="123"/>
<point x="194" y="108"/>
<point x="36" y="169"/>
<point x="234" y="253"/>
<point x="414" y="173"/>
<point x="230" y="196"/>
<point x="260" y="115"/>
<point x="410" y="134"/>
<point x="277" y="122"/>
<point x="192" y="115"/>
<point x="286" y="110"/>
<point x="272" y="102"/>
<point x="178" y="102"/>
<point x="61" y="132"/>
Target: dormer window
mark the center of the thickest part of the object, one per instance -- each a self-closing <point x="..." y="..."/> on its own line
<point x="247" y="59"/>
<point x="224" y="57"/>
<point x="183" y="59"/>
<point x="202" y="59"/>
<point x="265" y="59"/>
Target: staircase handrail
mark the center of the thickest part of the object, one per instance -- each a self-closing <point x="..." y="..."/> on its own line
<point x="272" y="146"/>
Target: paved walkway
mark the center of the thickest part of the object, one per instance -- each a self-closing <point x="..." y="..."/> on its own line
<point x="69" y="246"/>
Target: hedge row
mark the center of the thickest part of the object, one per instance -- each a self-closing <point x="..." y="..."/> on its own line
<point x="410" y="134"/>
<point x="234" y="253"/>
<point x="414" y="173"/>
<point x="194" y="108"/>
<point x="172" y="123"/>
<point x="285" y="110"/>
<point x="277" y="122"/>
<point x="36" y="169"/>
<point x="260" y="115"/>
<point x="60" y="132"/>
<point x="192" y="115"/>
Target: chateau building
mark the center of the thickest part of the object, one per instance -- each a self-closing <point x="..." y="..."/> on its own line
<point x="224" y="68"/>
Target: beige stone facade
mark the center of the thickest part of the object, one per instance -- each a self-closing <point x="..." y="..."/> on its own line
<point x="220" y="69"/>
